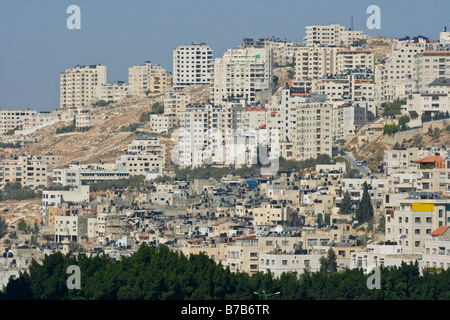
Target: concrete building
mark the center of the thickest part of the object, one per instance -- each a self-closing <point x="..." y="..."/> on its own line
<point x="28" y="170"/>
<point x="11" y="119"/>
<point x="192" y="65"/>
<point x="162" y="123"/>
<point x="241" y="73"/>
<point x="145" y="154"/>
<point x="75" y="175"/>
<point x="112" y="91"/>
<point x="435" y="98"/>
<point x="148" y="78"/>
<point x="437" y="249"/>
<point x="431" y="65"/>
<point x="331" y="35"/>
<point x="79" y="85"/>
<point x="414" y="218"/>
<point x="54" y="198"/>
<point x="348" y="60"/>
<point x="312" y="63"/>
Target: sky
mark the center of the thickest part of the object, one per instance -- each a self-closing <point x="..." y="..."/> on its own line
<point x="36" y="45"/>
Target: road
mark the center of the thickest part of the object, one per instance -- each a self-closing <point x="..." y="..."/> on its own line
<point x="363" y="169"/>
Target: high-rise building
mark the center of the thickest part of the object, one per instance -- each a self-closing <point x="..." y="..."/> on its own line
<point x="79" y="85"/>
<point x="192" y="65"/>
<point x="243" y="72"/>
<point x="331" y="35"/>
<point x="148" y="78"/>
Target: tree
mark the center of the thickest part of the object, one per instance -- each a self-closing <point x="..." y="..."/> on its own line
<point x="328" y="264"/>
<point x="364" y="213"/>
<point x="346" y="204"/>
<point x="22" y="225"/>
<point x="3" y="228"/>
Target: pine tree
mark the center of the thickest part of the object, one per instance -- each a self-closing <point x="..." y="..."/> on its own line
<point x="364" y="213"/>
<point x="346" y="204"/>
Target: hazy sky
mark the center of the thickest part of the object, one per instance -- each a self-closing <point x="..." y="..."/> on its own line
<point x="36" y="46"/>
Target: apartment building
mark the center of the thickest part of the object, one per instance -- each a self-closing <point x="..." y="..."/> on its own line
<point x="192" y="65"/>
<point x="162" y="123"/>
<point x="112" y="91"/>
<point x="75" y="175"/>
<point x="331" y="35"/>
<point x="314" y="130"/>
<point x="71" y="227"/>
<point x="397" y="69"/>
<point x="205" y="128"/>
<point x="86" y="119"/>
<point x="378" y="255"/>
<point x="431" y="65"/>
<point x="434" y="99"/>
<point x="413" y="219"/>
<point x="53" y="199"/>
<point x="28" y="170"/>
<point x="245" y="253"/>
<point x="11" y="119"/>
<point x="148" y="78"/>
<point x="79" y="85"/>
<point x="145" y="154"/>
<point x="241" y="73"/>
<point x="175" y="102"/>
<point x="348" y="60"/>
<point x="274" y="214"/>
<point x="278" y="263"/>
<point x="437" y="249"/>
<point x="312" y="63"/>
<point x="283" y="50"/>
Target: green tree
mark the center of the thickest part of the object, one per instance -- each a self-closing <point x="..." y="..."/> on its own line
<point x="3" y="227"/>
<point x="346" y="204"/>
<point x="364" y="212"/>
<point x="22" y="225"/>
<point x="328" y="263"/>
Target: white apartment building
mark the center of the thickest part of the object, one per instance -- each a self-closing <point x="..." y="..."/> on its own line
<point x="355" y="116"/>
<point x="434" y="99"/>
<point x="148" y="78"/>
<point x="28" y="170"/>
<point x="145" y="154"/>
<point x="348" y="60"/>
<point x="312" y="63"/>
<point x="242" y="72"/>
<point x="162" y="123"/>
<point x="192" y="65"/>
<point x="283" y="50"/>
<point x="331" y="35"/>
<point x="72" y="228"/>
<point x="76" y="175"/>
<point x="175" y="102"/>
<point x="11" y="119"/>
<point x="431" y="65"/>
<point x="411" y="222"/>
<point x="376" y="255"/>
<point x="273" y="215"/>
<point x="112" y="91"/>
<point x="86" y="119"/>
<point x="54" y="198"/>
<point x="279" y="263"/>
<point x="205" y="128"/>
<point x="314" y="130"/>
<point x="79" y="85"/>
<point x="437" y="249"/>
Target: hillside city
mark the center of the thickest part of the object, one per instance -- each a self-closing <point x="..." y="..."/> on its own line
<point x="264" y="159"/>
